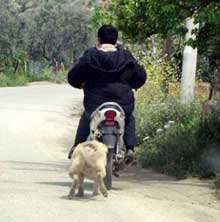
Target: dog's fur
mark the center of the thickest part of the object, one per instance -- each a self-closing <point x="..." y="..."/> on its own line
<point x="88" y="160"/>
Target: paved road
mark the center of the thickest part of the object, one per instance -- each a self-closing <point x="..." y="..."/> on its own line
<point x="37" y="125"/>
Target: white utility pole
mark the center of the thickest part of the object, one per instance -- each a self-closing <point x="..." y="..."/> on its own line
<point x="189" y="65"/>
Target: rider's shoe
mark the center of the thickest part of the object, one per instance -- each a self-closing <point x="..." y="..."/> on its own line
<point x="129" y="156"/>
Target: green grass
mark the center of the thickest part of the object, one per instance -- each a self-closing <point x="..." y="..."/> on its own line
<point x="13" y="80"/>
<point x="216" y="182"/>
<point x="176" y="139"/>
<point x="48" y="76"/>
<point x="7" y="80"/>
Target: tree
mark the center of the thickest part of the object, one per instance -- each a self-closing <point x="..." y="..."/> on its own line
<point x="42" y="30"/>
<point x="143" y="18"/>
<point x="9" y="26"/>
<point x="209" y="46"/>
<point x="58" y="31"/>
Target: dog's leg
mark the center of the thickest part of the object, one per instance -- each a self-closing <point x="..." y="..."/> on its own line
<point x="81" y="188"/>
<point x="75" y="184"/>
<point x="101" y="184"/>
<point x="96" y="188"/>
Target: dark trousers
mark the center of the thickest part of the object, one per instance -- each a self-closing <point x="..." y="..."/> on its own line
<point x="129" y="135"/>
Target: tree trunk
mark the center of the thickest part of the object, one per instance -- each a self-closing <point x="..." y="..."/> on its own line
<point x="216" y="96"/>
<point x="189" y="65"/>
<point x="215" y="80"/>
<point x="16" y="67"/>
<point x="213" y="102"/>
<point x="167" y="47"/>
<point x="214" y="64"/>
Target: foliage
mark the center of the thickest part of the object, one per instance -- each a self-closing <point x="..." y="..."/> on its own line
<point x="47" y="75"/>
<point x="58" y="31"/>
<point x="153" y="112"/>
<point x="173" y="151"/>
<point x="41" y="31"/>
<point x="13" y="80"/>
<point x="176" y="139"/>
<point x="159" y="70"/>
<point x="22" y="79"/>
<point x="138" y="20"/>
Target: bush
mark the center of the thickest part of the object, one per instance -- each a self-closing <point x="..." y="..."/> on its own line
<point x="153" y="112"/>
<point x="4" y="80"/>
<point x="47" y="75"/>
<point x="172" y="151"/>
<point x="24" y="79"/>
<point x="13" y="80"/>
<point x="176" y="139"/>
<point x="160" y="69"/>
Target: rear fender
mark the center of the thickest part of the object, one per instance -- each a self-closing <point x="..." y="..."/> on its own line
<point x="110" y="136"/>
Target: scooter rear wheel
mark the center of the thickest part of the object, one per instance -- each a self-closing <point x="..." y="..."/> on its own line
<point x="108" y="178"/>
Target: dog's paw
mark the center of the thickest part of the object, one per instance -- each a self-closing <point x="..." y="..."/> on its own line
<point x="95" y="193"/>
<point x="105" y="193"/>
<point x="70" y="196"/>
<point x="80" y="193"/>
<point x="116" y="174"/>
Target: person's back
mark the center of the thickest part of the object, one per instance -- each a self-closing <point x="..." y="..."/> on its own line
<point x="107" y="73"/>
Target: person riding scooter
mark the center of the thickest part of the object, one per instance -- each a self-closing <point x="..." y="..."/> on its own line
<point x="107" y="73"/>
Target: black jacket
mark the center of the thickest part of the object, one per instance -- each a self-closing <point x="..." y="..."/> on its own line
<point x="107" y="77"/>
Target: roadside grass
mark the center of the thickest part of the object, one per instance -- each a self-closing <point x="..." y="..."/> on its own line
<point x="216" y="182"/>
<point x="48" y="76"/>
<point x="217" y="195"/>
<point x="174" y="138"/>
<point x="7" y="80"/>
<point x="13" y="80"/>
<point x="153" y="90"/>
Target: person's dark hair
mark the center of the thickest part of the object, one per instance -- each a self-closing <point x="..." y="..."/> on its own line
<point x="107" y="34"/>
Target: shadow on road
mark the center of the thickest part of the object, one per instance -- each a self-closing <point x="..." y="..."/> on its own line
<point x="133" y="175"/>
<point x="87" y="198"/>
<point x="36" y="166"/>
<point x="141" y="176"/>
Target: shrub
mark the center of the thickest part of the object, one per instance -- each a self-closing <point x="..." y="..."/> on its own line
<point x="160" y="69"/>
<point x="19" y="80"/>
<point x="13" y="80"/>
<point x="153" y="112"/>
<point x="23" y="79"/>
<point x="47" y="75"/>
<point x="176" y="139"/>
<point x="172" y="151"/>
<point x="4" y="80"/>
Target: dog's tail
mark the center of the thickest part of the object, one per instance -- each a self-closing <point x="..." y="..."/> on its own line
<point x="93" y="151"/>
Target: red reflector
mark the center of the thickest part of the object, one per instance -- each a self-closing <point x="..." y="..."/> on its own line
<point x="110" y="123"/>
<point x="110" y="115"/>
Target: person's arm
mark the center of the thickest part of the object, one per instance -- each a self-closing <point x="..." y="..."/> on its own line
<point x="139" y="76"/>
<point x="77" y="75"/>
<point x="136" y="74"/>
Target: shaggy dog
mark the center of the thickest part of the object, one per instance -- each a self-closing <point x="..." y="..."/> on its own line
<point x="88" y="160"/>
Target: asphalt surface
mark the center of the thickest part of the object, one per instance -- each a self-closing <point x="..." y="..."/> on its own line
<point x="37" y="125"/>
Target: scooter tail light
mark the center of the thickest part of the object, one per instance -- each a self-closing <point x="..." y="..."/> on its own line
<point x="110" y="115"/>
<point x="110" y="118"/>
